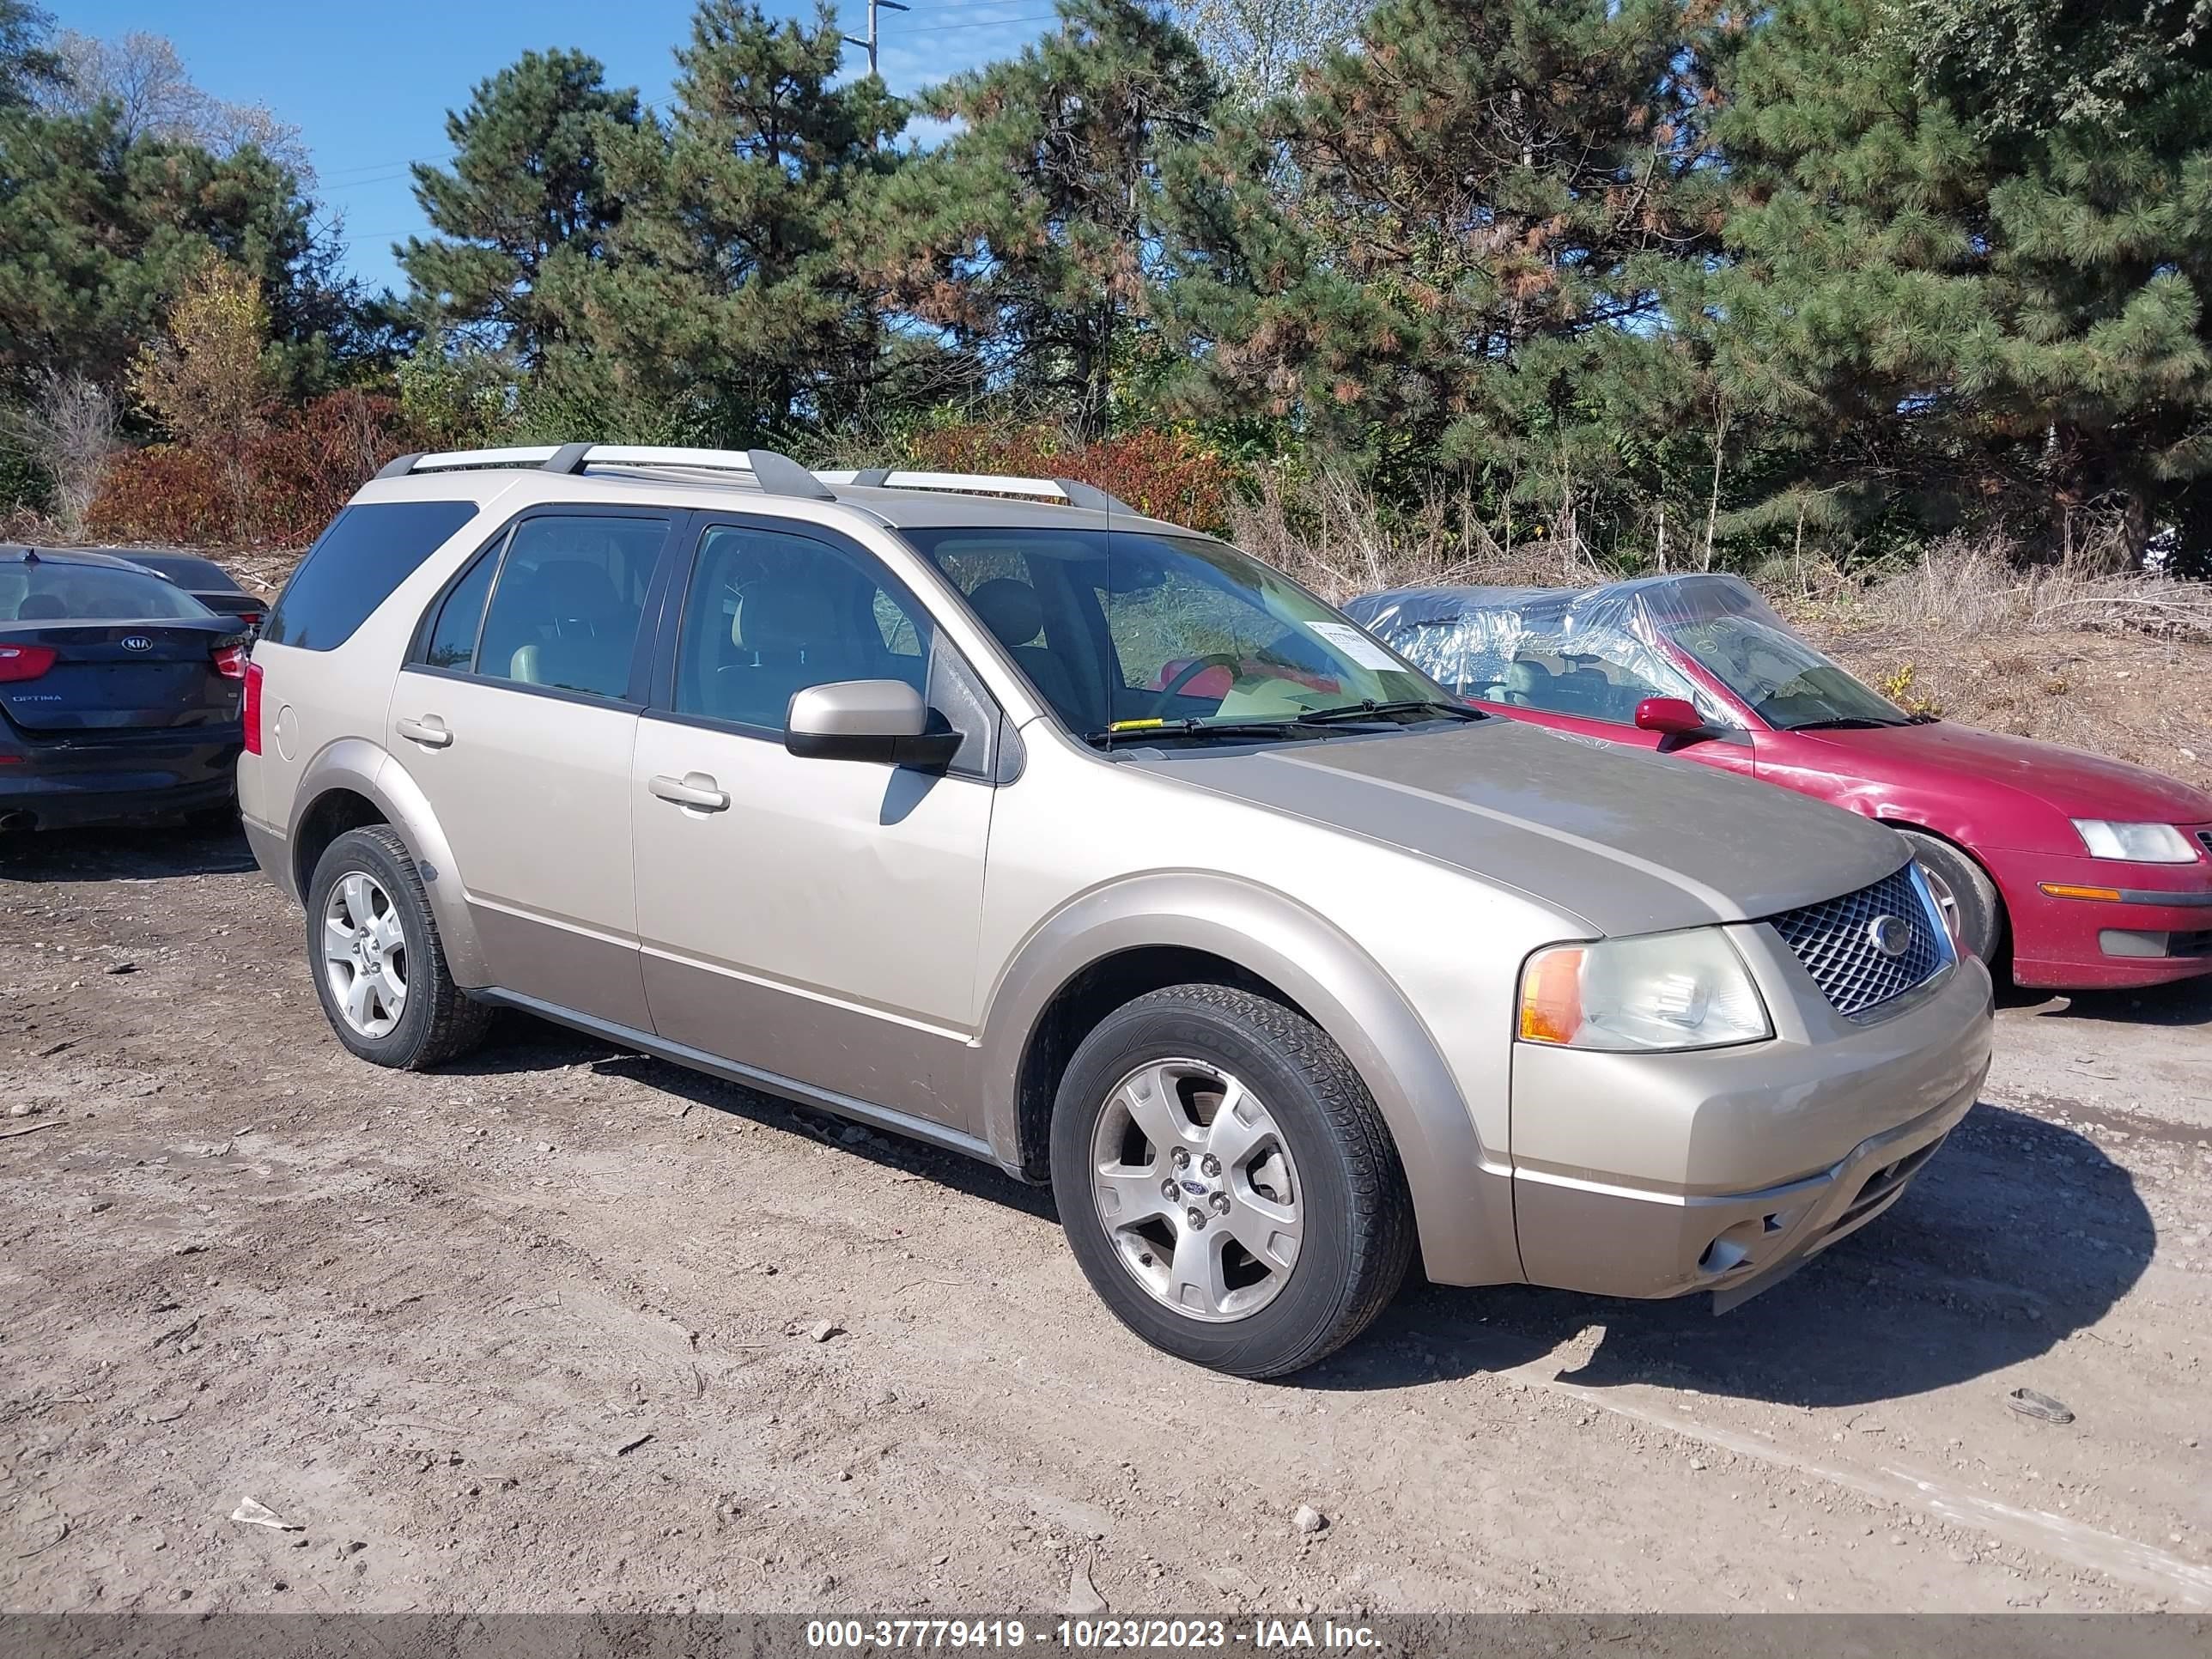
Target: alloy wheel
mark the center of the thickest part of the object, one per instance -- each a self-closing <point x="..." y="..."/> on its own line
<point x="1197" y="1190"/>
<point x="1947" y="902"/>
<point x="364" y="954"/>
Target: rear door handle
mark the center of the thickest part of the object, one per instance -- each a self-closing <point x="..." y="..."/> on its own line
<point x="429" y="730"/>
<point x="692" y="789"/>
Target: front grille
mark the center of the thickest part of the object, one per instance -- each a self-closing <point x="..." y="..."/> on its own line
<point x="1835" y="941"/>
<point x="2205" y="835"/>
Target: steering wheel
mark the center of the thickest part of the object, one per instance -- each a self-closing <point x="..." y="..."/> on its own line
<point x="1190" y="671"/>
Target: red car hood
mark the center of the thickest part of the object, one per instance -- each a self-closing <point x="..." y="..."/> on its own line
<point x="2077" y="785"/>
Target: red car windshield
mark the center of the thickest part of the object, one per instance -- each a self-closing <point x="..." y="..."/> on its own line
<point x="1783" y="680"/>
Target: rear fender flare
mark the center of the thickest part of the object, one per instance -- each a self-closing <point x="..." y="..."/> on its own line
<point x="1462" y="1196"/>
<point x="359" y="766"/>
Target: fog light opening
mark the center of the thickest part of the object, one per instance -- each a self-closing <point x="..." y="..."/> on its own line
<point x="1732" y="1249"/>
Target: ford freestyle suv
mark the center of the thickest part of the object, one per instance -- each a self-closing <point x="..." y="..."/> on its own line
<point x="989" y="811"/>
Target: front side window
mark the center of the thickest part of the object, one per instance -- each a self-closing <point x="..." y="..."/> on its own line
<point x="566" y="605"/>
<point x="1127" y="634"/>
<point x="770" y="613"/>
<point x="1592" y="673"/>
<point x="1783" y="680"/>
<point x="354" y="566"/>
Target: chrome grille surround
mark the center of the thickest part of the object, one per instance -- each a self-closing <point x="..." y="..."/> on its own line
<point x="1835" y="940"/>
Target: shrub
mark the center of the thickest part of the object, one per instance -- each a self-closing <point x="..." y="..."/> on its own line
<point x="276" y="488"/>
<point x="1163" y="471"/>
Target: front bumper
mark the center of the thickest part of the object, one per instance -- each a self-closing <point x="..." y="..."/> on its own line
<point x="2156" y="932"/>
<point x="58" y="786"/>
<point x="1658" y="1175"/>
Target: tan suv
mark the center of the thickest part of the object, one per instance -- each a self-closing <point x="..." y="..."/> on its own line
<point x="991" y="812"/>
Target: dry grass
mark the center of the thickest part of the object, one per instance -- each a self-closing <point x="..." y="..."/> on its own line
<point x="2118" y="665"/>
<point x="1329" y="533"/>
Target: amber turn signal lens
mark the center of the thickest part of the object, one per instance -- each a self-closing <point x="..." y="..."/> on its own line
<point x="1551" y="996"/>
<point x="2066" y="889"/>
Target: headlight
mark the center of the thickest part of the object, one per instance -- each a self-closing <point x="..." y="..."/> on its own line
<point x="1687" y="990"/>
<point x="2146" y="843"/>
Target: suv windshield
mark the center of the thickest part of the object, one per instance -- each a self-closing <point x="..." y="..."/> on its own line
<point x="1134" y="634"/>
<point x="1787" y="682"/>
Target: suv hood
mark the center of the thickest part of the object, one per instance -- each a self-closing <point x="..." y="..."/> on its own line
<point x="1630" y="841"/>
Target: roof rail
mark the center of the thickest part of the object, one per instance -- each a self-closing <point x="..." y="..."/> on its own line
<point x="1073" y="491"/>
<point x="778" y="474"/>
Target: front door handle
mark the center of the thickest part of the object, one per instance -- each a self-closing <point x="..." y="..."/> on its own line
<point x="692" y="789"/>
<point x="430" y="731"/>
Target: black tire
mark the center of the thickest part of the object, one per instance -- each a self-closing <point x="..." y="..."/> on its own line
<point x="438" y="1022"/>
<point x="1358" y="1232"/>
<point x="1981" y="910"/>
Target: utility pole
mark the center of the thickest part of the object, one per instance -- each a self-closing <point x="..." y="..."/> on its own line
<point x="871" y="41"/>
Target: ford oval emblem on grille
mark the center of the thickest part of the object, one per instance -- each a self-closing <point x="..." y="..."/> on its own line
<point x="137" y="642"/>
<point x="1891" y="935"/>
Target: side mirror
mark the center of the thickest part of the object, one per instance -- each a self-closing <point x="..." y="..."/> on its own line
<point x="1671" y="717"/>
<point x="881" y="721"/>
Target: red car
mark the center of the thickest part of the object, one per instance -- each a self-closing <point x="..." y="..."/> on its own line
<point x="2073" y="871"/>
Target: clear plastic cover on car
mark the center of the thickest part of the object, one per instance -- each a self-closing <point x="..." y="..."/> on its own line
<point x="1597" y="652"/>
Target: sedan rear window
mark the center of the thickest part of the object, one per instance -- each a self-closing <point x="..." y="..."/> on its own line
<point x="368" y="551"/>
<point x="56" y="591"/>
<point x="201" y="575"/>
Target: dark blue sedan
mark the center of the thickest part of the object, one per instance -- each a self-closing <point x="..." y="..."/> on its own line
<point x="119" y="694"/>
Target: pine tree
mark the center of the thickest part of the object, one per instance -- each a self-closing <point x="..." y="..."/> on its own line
<point x="1454" y="243"/>
<point x="28" y="64"/>
<point x="97" y="232"/>
<point x="527" y="192"/>
<point x="1967" y="316"/>
<point x="1025" y="235"/>
<point x="722" y="309"/>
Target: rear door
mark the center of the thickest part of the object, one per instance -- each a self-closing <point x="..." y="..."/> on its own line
<point x="517" y="715"/>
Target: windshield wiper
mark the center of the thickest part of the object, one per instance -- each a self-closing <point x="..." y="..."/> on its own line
<point x="1358" y="711"/>
<point x="1137" y="736"/>
<point x="1846" y="723"/>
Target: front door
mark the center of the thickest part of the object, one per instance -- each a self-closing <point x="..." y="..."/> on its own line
<point x="817" y="920"/>
<point x="517" y="717"/>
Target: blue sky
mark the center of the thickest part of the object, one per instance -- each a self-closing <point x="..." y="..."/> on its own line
<point x="369" y="86"/>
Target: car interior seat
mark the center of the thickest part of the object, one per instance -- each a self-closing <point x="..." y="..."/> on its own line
<point x="585" y="631"/>
<point x="1014" y="613"/>
<point x="42" y="607"/>
<point x="1528" y="685"/>
<point x="784" y="637"/>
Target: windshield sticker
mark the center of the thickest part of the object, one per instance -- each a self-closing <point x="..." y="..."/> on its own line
<point x="1363" y="650"/>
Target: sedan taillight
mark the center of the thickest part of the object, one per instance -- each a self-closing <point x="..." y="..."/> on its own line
<point x="230" y="661"/>
<point x="25" y="662"/>
<point x="251" y="712"/>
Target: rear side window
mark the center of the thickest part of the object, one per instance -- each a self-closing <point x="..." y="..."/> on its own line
<point x="568" y="603"/>
<point x="452" y="642"/>
<point x="368" y="551"/>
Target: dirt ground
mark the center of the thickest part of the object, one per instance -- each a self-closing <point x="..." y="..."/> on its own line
<point x="564" y="1327"/>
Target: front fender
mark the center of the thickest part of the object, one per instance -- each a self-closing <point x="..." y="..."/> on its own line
<point x="359" y="766"/>
<point x="1462" y="1192"/>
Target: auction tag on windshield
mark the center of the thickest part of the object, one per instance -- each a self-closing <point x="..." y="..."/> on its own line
<point x="1363" y="650"/>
